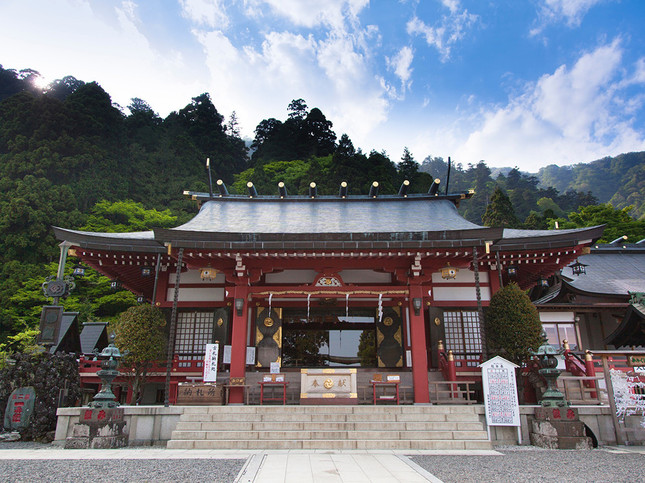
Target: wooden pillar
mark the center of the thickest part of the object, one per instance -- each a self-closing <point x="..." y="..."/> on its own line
<point x="419" y="352"/>
<point x="238" y="340"/>
<point x="173" y="329"/>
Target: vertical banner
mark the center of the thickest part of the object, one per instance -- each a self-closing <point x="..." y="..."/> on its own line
<point x="210" y="362"/>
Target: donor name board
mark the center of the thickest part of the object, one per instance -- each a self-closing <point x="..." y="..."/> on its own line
<point x="500" y="392"/>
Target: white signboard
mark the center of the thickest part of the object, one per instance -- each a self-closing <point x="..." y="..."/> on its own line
<point x="275" y="367"/>
<point x="210" y="362"/>
<point x="500" y="392"/>
<point x="250" y="356"/>
<point x="226" y="356"/>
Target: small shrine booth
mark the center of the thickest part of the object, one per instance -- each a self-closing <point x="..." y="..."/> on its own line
<point x="309" y="282"/>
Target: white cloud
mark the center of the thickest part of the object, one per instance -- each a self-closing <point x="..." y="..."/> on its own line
<point x="313" y="13"/>
<point x="400" y="64"/>
<point x="576" y="114"/>
<point x="70" y="38"/>
<point x="447" y="32"/>
<point x="210" y="13"/>
<point x="260" y="82"/>
<point x="571" y="12"/>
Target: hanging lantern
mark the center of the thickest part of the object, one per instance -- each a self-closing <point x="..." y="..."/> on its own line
<point x="578" y="268"/>
<point x="512" y="271"/>
<point x="79" y="271"/>
<point x="146" y="272"/>
<point x="449" y="272"/>
<point x="208" y="273"/>
<point x="543" y="282"/>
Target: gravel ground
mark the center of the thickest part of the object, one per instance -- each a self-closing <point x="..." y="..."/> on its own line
<point x="537" y="465"/>
<point x="114" y="471"/>
<point x="169" y="470"/>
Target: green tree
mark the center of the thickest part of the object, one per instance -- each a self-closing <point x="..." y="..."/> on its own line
<point x="617" y="221"/>
<point x="512" y="325"/>
<point x="125" y="216"/>
<point x="500" y="212"/>
<point x="141" y="337"/>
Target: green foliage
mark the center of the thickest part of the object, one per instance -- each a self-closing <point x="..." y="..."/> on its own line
<point x="618" y="222"/>
<point x="141" y="337"/>
<point x="367" y="348"/>
<point x="618" y="180"/>
<point x="303" y="348"/>
<point x="126" y="216"/>
<point x="500" y="212"/>
<point x="48" y="374"/>
<point x="512" y="325"/>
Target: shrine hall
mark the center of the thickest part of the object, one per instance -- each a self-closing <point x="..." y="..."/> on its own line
<point x="370" y="284"/>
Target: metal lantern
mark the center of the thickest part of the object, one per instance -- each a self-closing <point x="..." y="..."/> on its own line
<point x="208" y="273"/>
<point x="578" y="268"/>
<point x="512" y="271"/>
<point x="449" y="272"/>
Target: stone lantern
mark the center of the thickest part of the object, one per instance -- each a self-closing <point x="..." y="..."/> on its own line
<point x="109" y="356"/>
<point x="548" y="361"/>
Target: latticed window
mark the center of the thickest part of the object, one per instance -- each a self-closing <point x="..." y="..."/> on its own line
<point x="463" y="336"/>
<point x="194" y="331"/>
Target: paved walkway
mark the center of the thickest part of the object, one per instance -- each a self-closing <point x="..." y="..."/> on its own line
<point x="297" y="466"/>
<point x="269" y="466"/>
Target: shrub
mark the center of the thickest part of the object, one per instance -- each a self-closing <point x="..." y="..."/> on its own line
<point x="512" y="325"/>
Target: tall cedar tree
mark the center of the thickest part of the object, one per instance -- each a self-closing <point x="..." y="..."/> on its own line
<point x="500" y="212"/>
<point x="512" y="323"/>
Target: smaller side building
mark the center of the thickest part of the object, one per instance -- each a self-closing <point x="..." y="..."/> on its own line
<point x="593" y="303"/>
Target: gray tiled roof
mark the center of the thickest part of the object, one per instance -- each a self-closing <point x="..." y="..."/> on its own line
<point x="329" y="216"/>
<point x="610" y="273"/>
<point x="91" y="334"/>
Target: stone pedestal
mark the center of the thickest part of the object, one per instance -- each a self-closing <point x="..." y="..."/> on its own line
<point x="99" y="429"/>
<point x="558" y="428"/>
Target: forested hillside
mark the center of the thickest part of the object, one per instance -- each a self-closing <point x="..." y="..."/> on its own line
<point x="619" y="180"/>
<point x="70" y="157"/>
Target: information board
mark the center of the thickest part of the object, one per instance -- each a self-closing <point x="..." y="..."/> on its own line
<point x="210" y="362"/>
<point x="500" y="392"/>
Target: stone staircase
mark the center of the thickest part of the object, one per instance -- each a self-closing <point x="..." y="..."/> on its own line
<point x="330" y="427"/>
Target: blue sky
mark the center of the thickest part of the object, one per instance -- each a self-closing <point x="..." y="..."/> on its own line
<point x="522" y="83"/>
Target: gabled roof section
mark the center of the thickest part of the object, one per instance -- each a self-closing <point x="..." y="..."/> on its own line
<point x="93" y="336"/>
<point x="609" y="273"/>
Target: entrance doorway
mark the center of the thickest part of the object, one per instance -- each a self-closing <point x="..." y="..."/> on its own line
<point x="329" y="337"/>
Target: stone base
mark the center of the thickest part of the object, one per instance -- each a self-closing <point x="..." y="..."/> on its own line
<point x="99" y="429"/>
<point x="559" y="428"/>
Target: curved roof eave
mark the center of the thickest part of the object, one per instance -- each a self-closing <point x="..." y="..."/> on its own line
<point x="133" y="241"/>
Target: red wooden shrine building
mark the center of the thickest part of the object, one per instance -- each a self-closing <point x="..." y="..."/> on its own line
<point x="372" y="282"/>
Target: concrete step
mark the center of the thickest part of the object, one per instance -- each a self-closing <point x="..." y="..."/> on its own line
<point x="335" y="435"/>
<point x="329" y="426"/>
<point x="329" y="444"/>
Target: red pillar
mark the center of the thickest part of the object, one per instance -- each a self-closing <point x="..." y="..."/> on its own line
<point x="238" y="341"/>
<point x="493" y="280"/>
<point x="419" y="352"/>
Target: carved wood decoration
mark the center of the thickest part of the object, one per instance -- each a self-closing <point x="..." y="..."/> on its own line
<point x="220" y="325"/>
<point x="389" y="338"/>
<point x="268" y="336"/>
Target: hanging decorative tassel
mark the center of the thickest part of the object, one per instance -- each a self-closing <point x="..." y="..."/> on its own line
<point x="347" y="305"/>
<point x="270" y="297"/>
<point x="308" y="305"/>
<point x="380" y="307"/>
